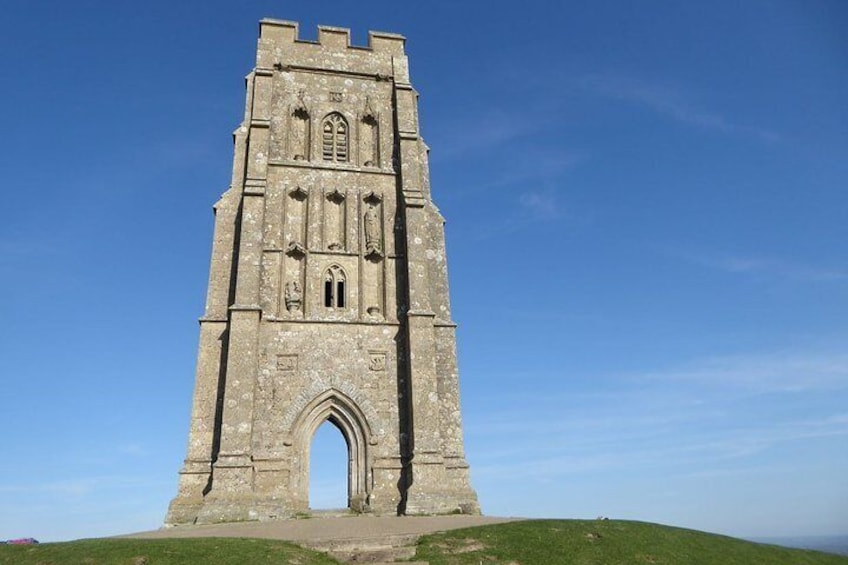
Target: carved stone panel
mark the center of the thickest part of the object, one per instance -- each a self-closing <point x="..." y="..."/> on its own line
<point x="287" y="362"/>
<point x="377" y="361"/>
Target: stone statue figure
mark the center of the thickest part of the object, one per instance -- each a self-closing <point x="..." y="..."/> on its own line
<point x="300" y="129"/>
<point x="294" y="297"/>
<point x="373" y="245"/>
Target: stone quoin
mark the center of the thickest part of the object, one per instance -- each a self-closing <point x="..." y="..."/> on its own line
<point x="328" y="296"/>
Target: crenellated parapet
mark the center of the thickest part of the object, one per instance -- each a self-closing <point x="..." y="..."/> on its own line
<point x="280" y="47"/>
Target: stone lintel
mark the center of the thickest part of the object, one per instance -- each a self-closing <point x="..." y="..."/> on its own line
<point x="335" y="253"/>
<point x="420" y="314"/>
<point x="325" y="252"/>
<point x="414" y="199"/>
<point x="254" y="187"/>
<point x="388" y="463"/>
<point x="233" y="460"/>
<point x="329" y="167"/>
<point x="331" y="322"/>
<point x="245" y="308"/>
<point x="195" y="466"/>
<point x="209" y="320"/>
<point x="427" y="458"/>
<point x="288" y="68"/>
<point x="270" y="464"/>
<point x="456" y="463"/>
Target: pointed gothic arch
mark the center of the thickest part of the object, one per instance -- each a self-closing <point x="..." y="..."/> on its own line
<point x="345" y="414"/>
<point x="335" y="287"/>
<point x="335" y="138"/>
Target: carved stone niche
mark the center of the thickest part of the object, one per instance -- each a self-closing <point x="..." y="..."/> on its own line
<point x="295" y="222"/>
<point x="334" y="220"/>
<point x="296" y="250"/>
<point x="300" y="130"/>
<point x="335" y="196"/>
<point x="370" y="136"/>
<point x="372" y="222"/>
<point x="298" y="194"/>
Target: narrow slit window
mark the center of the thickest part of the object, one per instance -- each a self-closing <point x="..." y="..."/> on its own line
<point x="341" y="142"/>
<point x="328" y="294"/>
<point x="340" y="295"/>
<point x="328" y="148"/>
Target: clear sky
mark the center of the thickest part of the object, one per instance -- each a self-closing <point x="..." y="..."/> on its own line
<point x="647" y="208"/>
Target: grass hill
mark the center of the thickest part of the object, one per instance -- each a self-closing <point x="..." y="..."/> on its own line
<point x="542" y="542"/>
<point x="604" y="542"/>
<point x="191" y="551"/>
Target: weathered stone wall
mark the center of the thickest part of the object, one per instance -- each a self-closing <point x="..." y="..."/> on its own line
<point x="328" y="295"/>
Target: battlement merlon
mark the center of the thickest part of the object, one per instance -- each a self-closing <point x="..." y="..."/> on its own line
<point x="279" y="45"/>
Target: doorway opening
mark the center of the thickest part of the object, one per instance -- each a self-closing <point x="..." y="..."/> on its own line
<point x="329" y="461"/>
<point x="343" y="466"/>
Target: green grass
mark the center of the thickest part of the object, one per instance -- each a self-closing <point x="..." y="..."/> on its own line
<point x="603" y="542"/>
<point x="533" y="542"/>
<point x="192" y="551"/>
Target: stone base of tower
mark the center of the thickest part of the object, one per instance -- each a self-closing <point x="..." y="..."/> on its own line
<point x="225" y="509"/>
<point x="440" y="486"/>
<point x="183" y="511"/>
<point x="241" y="509"/>
<point x="194" y="479"/>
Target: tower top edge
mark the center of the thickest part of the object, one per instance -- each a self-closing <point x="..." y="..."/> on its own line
<point x="330" y="37"/>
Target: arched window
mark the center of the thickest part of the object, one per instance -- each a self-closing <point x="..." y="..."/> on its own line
<point x="334" y="288"/>
<point x="335" y="138"/>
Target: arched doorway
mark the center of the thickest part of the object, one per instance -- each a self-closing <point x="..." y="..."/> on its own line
<point x="341" y="411"/>
<point x="329" y="461"/>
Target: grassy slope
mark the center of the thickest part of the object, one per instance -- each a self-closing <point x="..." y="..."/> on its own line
<point x="197" y="551"/>
<point x="542" y="542"/>
<point x="604" y="542"/>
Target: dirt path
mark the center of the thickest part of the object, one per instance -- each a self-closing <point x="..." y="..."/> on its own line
<point x="327" y="529"/>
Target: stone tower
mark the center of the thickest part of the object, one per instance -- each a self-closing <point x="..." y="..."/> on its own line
<point x="328" y="295"/>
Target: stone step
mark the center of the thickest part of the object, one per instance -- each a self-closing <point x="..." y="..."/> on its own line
<point x="405" y="563"/>
<point x="371" y="556"/>
<point x="373" y="550"/>
<point x="330" y="513"/>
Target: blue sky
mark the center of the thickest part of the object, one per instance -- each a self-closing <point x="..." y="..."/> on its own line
<point x="647" y="212"/>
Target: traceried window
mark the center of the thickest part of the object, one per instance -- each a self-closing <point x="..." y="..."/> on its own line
<point x="335" y="138"/>
<point x="334" y="287"/>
